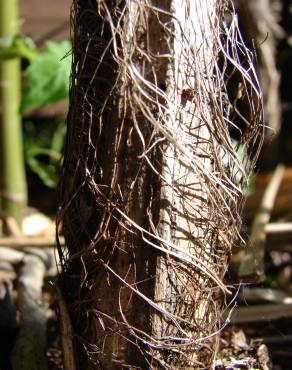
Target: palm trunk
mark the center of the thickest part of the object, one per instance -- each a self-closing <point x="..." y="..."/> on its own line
<point x="151" y="187"/>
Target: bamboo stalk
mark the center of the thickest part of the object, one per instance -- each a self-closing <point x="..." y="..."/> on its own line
<point x="252" y="265"/>
<point x="13" y="184"/>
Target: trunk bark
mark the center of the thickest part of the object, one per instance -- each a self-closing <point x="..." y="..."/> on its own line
<point x="150" y="184"/>
<point x="186" y="211"/>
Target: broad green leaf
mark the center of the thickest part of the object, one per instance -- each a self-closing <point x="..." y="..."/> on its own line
<point x="48" y="77"/>
<point x="17" y="46"/>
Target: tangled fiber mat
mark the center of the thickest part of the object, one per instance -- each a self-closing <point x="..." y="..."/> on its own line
<point x="164" y="126"/>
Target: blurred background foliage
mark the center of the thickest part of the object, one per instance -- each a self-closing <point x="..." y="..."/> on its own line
<point x="46" y="82"/>
<point x="47" y="76"/>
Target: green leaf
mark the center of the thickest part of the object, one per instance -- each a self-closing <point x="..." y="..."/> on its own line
<point x="58" y="138"/>
<point x="243" y="162"/>
<point x="48" y="77"/>
<point x="46" y="172"/>
<point x="43" y="146"/>
<point x="17" y="46"/>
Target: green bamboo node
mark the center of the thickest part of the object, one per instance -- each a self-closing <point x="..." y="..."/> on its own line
<point x="12" y="173"/>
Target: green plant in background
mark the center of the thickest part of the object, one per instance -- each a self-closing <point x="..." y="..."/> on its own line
<point x="43" y="144"/>
<point x="47" y="82"/>
<point x="17" y="45"/>
<point x="47" y="77"/>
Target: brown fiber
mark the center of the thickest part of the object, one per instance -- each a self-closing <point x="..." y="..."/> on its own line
<point x="163" y="100"/>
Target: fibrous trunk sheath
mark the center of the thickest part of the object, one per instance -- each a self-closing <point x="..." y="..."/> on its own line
<point x="151" y="185"/>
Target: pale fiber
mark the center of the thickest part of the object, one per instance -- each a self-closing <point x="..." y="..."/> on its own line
<point x="152" y="184"/>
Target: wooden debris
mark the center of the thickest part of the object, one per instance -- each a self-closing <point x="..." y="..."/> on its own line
<point x="236" y="352"/>
<point x="284" y="278"/>
<point x="238" y="340"/>
<point x="7" y="272"/>
<point x="14" y="257"/>
<point x="261" y="313"/>
<point x="263" y="357"/>
<point x="10" y="255"/>
<point x="279" y="235"/>
<point x="278" y="339"/>
<point x="260" y="295"/>
<point x="29" y="352"/>
<point x="252" y="265"/>
<point x="22" y="242"/>
<point x="282" y="203"/>
<point x="279" y="228"/>
<point x="10" y="225"/>
<point x="8" y="325"/>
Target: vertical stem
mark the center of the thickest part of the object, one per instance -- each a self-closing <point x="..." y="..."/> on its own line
<point x="13" y="184"/>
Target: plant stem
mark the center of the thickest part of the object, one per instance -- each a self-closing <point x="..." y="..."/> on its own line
<point x="13" y="185"/>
